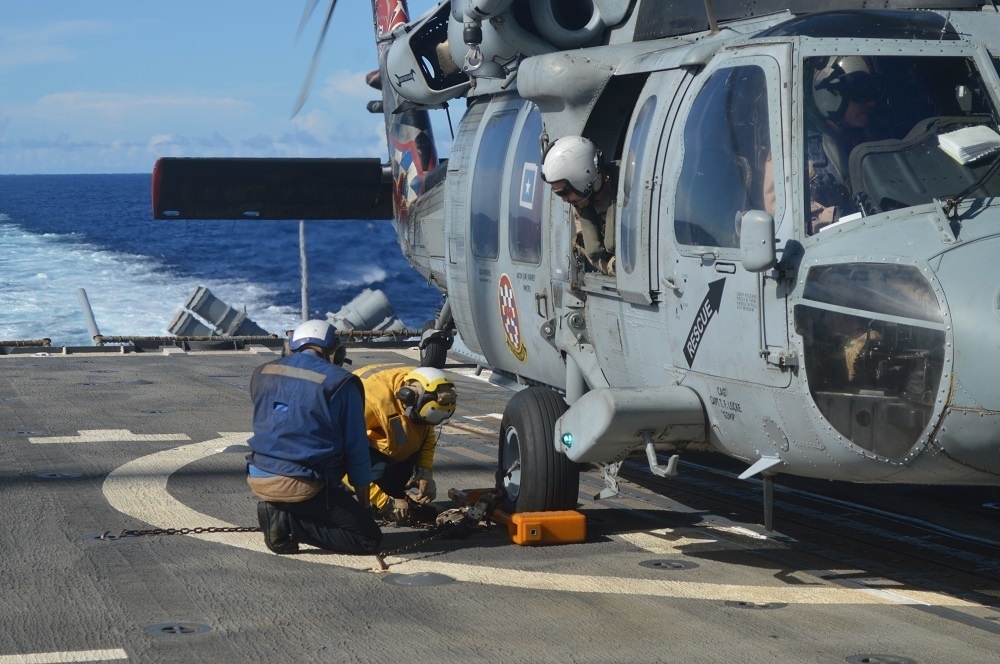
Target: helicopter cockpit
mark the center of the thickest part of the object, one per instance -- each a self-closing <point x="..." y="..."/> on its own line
<point x="881" y="136"/>
<point x="874" y="128"/>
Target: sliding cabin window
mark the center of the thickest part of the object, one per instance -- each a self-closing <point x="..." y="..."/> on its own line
<point x="527" y="193"/>
<point x="487" y="184"/>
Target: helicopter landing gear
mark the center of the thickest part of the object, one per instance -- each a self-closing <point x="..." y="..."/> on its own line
<point x="436" y="339"/>
<point x="534" y="475"/>
<point x="434" y="345"/>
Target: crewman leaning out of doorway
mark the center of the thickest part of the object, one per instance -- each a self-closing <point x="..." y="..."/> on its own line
<point x="308" y="432"/>
<point x="577" y="173"/>
<point x="402" y="407"/>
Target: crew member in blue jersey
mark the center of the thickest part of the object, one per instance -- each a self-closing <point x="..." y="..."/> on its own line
<point x="309" y="431"/>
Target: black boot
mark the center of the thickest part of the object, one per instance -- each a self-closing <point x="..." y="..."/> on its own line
<point x="274" y="523"/>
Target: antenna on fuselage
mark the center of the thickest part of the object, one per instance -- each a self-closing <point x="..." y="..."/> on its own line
<point x="713" y="24"/>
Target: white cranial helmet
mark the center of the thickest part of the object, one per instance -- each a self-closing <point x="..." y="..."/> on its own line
<point x="317" y="333"/>
<point x="844" y="79"/>
<point x="576" y="160"/>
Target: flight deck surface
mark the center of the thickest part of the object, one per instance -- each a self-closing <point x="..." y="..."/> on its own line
<point x="673" y="570"/>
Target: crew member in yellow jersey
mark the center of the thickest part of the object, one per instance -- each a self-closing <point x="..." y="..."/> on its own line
<point x="402" y="407"/>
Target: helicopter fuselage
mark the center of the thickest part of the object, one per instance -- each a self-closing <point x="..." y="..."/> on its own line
<point x="862" y="352"/>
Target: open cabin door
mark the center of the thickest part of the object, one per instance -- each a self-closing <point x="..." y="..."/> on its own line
<point x="638" y="270"/>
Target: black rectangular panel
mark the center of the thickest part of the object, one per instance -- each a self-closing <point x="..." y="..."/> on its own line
<point x="224" y="188"/>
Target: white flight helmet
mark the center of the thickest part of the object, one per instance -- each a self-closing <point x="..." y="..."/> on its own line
<point x="844" y="79"/>
<point x="317" y="334"/>
<point x="576" y="160"/>
<point x="428" y="394"/>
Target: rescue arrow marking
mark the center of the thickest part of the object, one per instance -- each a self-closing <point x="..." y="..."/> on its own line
<point x="139" y="489"/>
<point x="109" y="436"/>
<point x="706" y="314"/>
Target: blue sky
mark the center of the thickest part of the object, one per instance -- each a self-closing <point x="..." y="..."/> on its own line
<point x="107" y="87"/>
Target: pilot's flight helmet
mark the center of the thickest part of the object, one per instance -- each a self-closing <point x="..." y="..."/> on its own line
<point x="428" y="394"/>
<point x="317" y="333"/>
<point x="843" y="79"/>
<point x="575" y="159"/>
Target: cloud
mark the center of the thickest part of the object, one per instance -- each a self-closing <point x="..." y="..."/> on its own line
<point x="105" y="116"/>
<point x="62" y="142"/>
<point x="25" y="46"/>
<point x="215" y="141"/>
<point x="342" y="84"/>
<point x="117" y="104"/>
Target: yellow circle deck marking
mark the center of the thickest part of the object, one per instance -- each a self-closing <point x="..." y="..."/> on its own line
<point x="139" y="489"/>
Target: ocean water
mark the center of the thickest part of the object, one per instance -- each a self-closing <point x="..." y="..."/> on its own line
<point x="59" y="233"/>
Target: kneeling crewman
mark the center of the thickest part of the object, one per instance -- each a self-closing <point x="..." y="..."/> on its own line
<point x="309" y="431"/>
<point x="402" y="407"/>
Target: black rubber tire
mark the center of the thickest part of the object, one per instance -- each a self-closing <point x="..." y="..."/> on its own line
<point x="435" y="352"/>
<point x="545" y="480"/>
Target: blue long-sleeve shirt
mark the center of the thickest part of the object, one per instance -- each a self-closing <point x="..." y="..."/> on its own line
<point x="308" y="421"/>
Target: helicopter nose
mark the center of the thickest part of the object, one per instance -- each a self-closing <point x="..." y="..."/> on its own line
<point x="970" y="430"/>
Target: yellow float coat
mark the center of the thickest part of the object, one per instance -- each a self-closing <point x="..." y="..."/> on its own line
<point x="389" y="430"/>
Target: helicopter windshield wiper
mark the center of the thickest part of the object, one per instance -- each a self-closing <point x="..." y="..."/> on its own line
<point x="952" y="202"/>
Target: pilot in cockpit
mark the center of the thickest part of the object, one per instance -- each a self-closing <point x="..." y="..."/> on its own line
<point x="845" y="92"/>
<point x="575" y="169"/>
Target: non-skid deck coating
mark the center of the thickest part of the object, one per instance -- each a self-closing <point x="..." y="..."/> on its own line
<point x="103" y="442"/>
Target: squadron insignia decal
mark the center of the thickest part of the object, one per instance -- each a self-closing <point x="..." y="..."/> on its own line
<point x="508" y="315"/>
<point x="706" y="313"/>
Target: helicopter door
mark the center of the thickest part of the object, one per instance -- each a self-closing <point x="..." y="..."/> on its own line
<point x="530" y="298"/>
<point x="725" y="317"/>
<point x="485" y="189"/>
<point x="508" y="272"/>
<point x="637" y="251"/>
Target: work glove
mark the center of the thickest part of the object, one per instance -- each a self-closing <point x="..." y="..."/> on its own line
<point x="400" y="510"/>
<point x="423" y="482"/>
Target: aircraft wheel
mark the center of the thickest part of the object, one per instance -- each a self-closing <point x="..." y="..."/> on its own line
<point x="435" y="351"/>
<point x="434" y="354"/>
<point x="535" y="476"/>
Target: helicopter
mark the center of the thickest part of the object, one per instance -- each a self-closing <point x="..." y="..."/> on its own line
<point x="859" y="348"/>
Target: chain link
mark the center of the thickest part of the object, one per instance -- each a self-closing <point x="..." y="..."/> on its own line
<point x="476" y="518"/>
<point x="436" y="533"/>
<point x="108" y="535"/>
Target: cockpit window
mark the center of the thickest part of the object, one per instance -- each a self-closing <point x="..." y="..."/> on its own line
<point x="868" y="25"/>
<point x="487" y="183"/>
<point x="873" y="128"/>
<point x="526" y="198"/>
<point x="726" y="146"/>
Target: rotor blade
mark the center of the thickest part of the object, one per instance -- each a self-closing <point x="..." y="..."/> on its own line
<point x="304" y="93"/>
<point x="306" y="14"/>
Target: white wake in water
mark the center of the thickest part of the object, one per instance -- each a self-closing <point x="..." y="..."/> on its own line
<point x="130" y="295"/>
